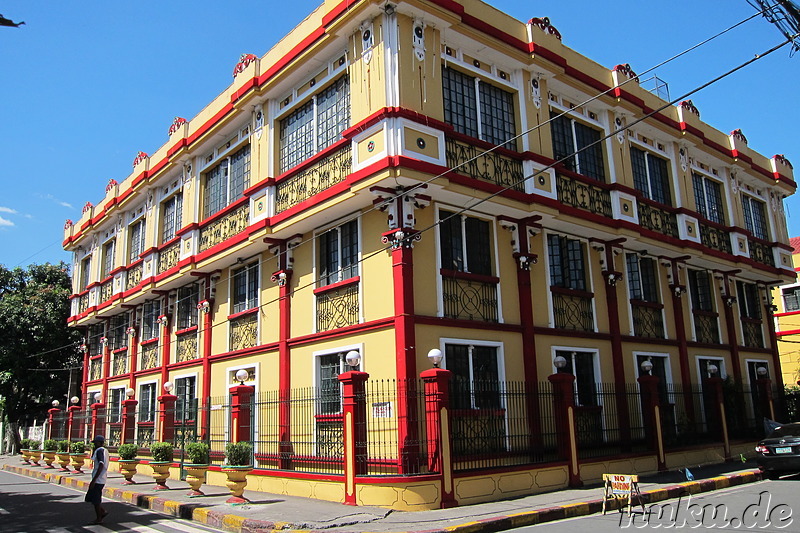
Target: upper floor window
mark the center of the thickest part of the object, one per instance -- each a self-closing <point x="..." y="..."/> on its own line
<point x="577" y="146"/>
<point x="171" y="215"/>
<point x="315" y="125"/>
<point x="650" y="175"/>
<point x="708" y="198"/>
<point x="94" y="334"/>
<point x="476" y="376"/>
<point x="136" y="236"/>
<point x="86" y="271"/>
<point x="188" y="298"/>
<point x="567" y="263"/>
<point x="245" y="288"/>
<point x="108" y="258"/>
<point x="226" y="181"/>
<point x="701" y="290"/>
<point x="755" y="217"/>
<point x="642" y="278"/>
<point x="749" y="302"/>
<point x="338" y="253"/>
<point x="150" y="313"/>
<point x="466" y="243"/>
<point x="478" y="109"/>
<point x="791" y="299"/>
<point x="118" y="331"/>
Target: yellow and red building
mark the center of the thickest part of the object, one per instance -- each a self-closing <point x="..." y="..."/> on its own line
<point x="395" y="178"/>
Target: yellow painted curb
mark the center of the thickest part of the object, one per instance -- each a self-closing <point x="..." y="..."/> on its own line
<point x="200" y="514"/>
<point x="232" y="520"/>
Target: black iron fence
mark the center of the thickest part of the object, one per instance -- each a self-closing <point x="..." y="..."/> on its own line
<point x="609" y="420"/>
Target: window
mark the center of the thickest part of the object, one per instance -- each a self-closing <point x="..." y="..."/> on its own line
<point x="476" y="378"/>
<point x="478" y="109"/>
<point x="581" y="365"/>
<point x="188" y="298"/>
<point x="115" y="398"/>
<point x="136" y="236"/>
<point x="466" y="243"/>
<point x="749" y="302"/>
<point x="791" y="299"/>
<point x="108" y="258"/>
<point x="642" y="278"/>
<point x="86" y="271"/>
<point x="186" y="405"/>
<point x="94" y="334"/>
<point x="757" y="370"/>
<point x="659" y="370"/>
<point x="708" y="197"/>
<point x="650" y="175"/>
<point x="150" y="314"/>
<point x="338" y="253"/>
<point x="147" y="402"/>
<point x="578" y="145"/>
<point x="700" y="288"/>
<point x="330" y="366"/>
<point x="225" y="183"/>
<point x="245" y="288"/>
<point x="118" y="331"/>
<point x="707" y="364"/>
<point x="755" y="218"/>
<point x="171" y="215"/>
<point x="567" y="268"/>
<point x="315" y="125"/>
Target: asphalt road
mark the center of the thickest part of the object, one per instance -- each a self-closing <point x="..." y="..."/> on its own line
<point x="766" y="506"/>
<point x="32" y="506"/>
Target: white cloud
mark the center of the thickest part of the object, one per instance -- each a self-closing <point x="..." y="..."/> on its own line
<point x="65" y="204"/>
<point x="5" y="222"/>
<point x="62" y="203"/>
<point x="7" y="210"/>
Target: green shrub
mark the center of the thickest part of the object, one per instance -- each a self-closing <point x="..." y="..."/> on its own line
<point x="198" y="453"/>
<point x="50" y="445"/>
<point x="162" y="451"/>
<point x="25" y="444"/>
<point x="238" y="453"/>
<point x="34" y="445"/>
<point x="77" y="447"/>
<point x="127" y="452"/>
<point x="63" y="446"/>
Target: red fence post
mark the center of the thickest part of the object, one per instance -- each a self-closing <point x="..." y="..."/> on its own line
<point x="714" y="385"/>
<point x="241" y="398"/>
<point x="98" y="419"/>
<point x="72" y="424"/>
<point x="564" y="411"/>
<point x="128" y="421"/>
<point x="354" y="410"/>
<point x="166" y="423"/>
<point x="51" y="414"/>
<point x="437" y="424"/>
<point x="651" y="412"/>
<point x="764" y="386"/>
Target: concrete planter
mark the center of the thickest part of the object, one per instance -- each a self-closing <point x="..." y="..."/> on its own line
<point x="195" y="477"/>
<point x="127" y="467"/>
<point x="49" y="458"/>
<point x="78" y="460"/>
<point x="161" y="473"/>
<point x="237" y="481"/>
<point x="35" y="456"/>
<point x="63" y="461"/>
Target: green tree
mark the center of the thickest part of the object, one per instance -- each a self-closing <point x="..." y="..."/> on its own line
<point x="35" y="342"/>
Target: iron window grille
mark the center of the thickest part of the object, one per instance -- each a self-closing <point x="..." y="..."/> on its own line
<point x="136" y="240"/>
<point x="567" y="263"/>
<point x="659" y="370"/>
<point x="172" y="213"/>
<point x="749" y="302"/>
<point x="115" y="398"/>
<point x="650" y="176"/>
<point x="188" y="298"/>
<point x="478" y="109"/>
<point x="708" y="198"/>
<point x="315" y="125"/>
<point x="118" y="331"/>
<point x="701" y="290"/>
<point x="338" y="253"/>
<point x="465" y="243"/>
<point x="108" y="258"/>
<point x="186" y="404"/>
<point x="791" y="299"/>
<point x="147" y="402"/>
<point x="476" y="376"/>
<point x="150" y="314"/>
<point x="577" y="146"/>
<point x="330" y="392"/>
<point x="581" y="365"/>
<point x="245" y="288"/>
<point x="642" y="278"/>
<point x="95" y="333"/>
<point x="226" y="181"/>
<point x="755" y="218"/>
<point x="86" y="272"/>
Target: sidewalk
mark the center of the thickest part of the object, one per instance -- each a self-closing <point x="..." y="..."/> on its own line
<point x="269" y="511"/>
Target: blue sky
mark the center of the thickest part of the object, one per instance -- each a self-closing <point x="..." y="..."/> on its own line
<point x="85" y="86"/>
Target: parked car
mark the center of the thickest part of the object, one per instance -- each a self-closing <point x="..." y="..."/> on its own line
<point x="779" y="453"/>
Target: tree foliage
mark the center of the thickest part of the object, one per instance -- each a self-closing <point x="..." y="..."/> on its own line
<point x="35" y="342"/>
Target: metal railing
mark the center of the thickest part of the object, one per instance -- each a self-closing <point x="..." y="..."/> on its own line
<point x="317" y="177"/>
<point x="186" y="347"/>
<point x="706" y="327"/>
<point x="657" y="219"/>
<point x="572" y="310"/>
<point x="133" y="276"/>
<point x="168" y="256"/>
<point x="106" y="290"/>
<point x="469" y="299"/>
<point x="338" y="308"/>
<point x="609" y="420"/>
<point x="648" y="320"/>
<point x="761" y="252"/>
<point x="148" y="356"/>
<point x="244" y="331"/>
<point x="591" y="198"/>
<point x="715" y="238"/>
<point x="225" y="227"/>
<point x="477" y="163"/>
<point x="752" y="333"/>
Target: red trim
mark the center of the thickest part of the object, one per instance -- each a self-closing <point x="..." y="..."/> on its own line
<point x="787" y="332"/>
<point x="311" y="161"/>
<point x="186" y="229"/>
<point x="342" y="332"/>
<point x="250" y="311"/>
<point x="468" y="276"/>
<point x="338" y="285"/>
<point x="222" y="212"/>
<point x="149" y="341"/>
<point x="191" y="329"/>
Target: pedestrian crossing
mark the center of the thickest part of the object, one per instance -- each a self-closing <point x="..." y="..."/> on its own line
<point x="161" y="525"/>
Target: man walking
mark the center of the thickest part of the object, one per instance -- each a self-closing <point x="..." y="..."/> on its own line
<point x="94" y="494"/>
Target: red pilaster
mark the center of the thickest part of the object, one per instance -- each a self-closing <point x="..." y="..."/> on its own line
<point x="106" y="363"/>
<point x="617" y="355"/>
<point x="354" y="411"/>
<point x="98" y="419"/>
<point x="166" y="422"/>
<point x="73" y="430"/>
<point x="207" y="327"/>
<point x="241" y="408"/>
<point x="165" y="348"/>
<point x="128" y="421"/>
<point x="283" y="277"/>
<point x="437" y="422"/>
<point x="683" y="349"/>
<point x="733" y="341"/>
<point x="564" y="410"/>
<point x="715" y="416"/>
<point x="51" y="420"/>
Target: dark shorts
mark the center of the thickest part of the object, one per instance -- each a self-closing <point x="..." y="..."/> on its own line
<point x="94" y="495"/>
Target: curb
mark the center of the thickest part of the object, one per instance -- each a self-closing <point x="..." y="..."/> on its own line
<point x="239" y="524"/>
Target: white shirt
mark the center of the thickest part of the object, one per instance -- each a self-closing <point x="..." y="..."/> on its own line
<point x="100" y="463"/>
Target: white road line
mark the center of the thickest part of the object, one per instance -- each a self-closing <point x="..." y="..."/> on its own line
<point x="3" y="511"/>
<point x="57" y="530"/>
<point x="99" y="529"/>
<point x="133" y="526"/>
<point x="180" y="526"/>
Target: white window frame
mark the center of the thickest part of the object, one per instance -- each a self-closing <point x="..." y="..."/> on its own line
<point x="140" y="385"/>
<point x="317" y="263"/>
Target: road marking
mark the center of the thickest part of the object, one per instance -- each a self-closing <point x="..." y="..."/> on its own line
<point x="58" y="530"/>
<point x="3" y="511"/>
<point x="99" y="529"/>
<point x="181" y="526"/>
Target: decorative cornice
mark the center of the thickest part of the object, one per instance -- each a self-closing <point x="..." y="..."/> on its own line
<point x="244" y="61"/>
<point x="141" y="156"/>
<point x="69" y="223"/>
<point x="544" y="25"/>
<point x="782" y="159"/>
<point x="689" y="106"/>
<point x="176" y="124"/>
<point x="111" y="184"/>
<point x="738" y="135"/>
<point x="87" y="207"/>
<point x="627" y="70"/>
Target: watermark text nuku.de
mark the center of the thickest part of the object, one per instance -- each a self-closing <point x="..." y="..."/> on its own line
<point x="684" y="513"/>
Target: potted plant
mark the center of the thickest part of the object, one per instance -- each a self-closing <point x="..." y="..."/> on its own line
<point x="237" y="466"/>
<point x="198" y="453"/>
<point x="33" y="449"/>
<point x="49" y="447"/>
<point x="78" y="454"/>
<point x="63" y="455"/>
<point x="162" y="453"/>
<point x="24" y="449"/>
<point x="127" y="462"/>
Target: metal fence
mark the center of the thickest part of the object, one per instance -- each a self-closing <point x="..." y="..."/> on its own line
<point x="688" y="415"/>
<point x="609" y="420"/>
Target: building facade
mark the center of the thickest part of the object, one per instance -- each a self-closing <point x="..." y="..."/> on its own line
<point x="787" y="322"/>
<point x="395" y="178"/>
